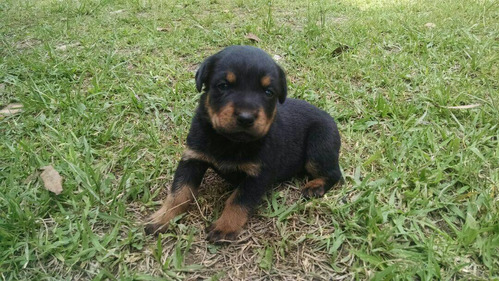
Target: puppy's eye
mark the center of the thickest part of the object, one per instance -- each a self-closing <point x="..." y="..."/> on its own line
<point x="223" y="86"/>
<point x="269" y="93"/>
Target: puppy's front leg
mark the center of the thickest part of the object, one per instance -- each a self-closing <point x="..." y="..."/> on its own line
<point x="238" y="208"/>
<point x="187" y="179"/>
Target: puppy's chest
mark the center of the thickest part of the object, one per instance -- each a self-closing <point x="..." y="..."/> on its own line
<point x="225" y="162"/>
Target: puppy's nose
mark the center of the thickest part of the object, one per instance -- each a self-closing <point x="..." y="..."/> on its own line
<point x="245" y="119"/>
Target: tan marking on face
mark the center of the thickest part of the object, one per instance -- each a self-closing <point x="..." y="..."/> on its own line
<point x="174" y="205"/>
<point x="225" y="117"/>
<point x="263" y="123"/>
<point x="230" y="77"/>
<point x="233" y="217"/>
<point x="265" y="81"/>
<point x="250" y="168"/>
<point x="210" y="111"/>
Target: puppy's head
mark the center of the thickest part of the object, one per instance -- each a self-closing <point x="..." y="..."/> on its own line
<point x="243" y="85"/>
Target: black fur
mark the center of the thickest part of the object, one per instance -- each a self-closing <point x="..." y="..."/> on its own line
<point x="299" y="136"/>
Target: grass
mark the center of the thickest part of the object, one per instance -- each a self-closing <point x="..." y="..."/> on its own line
<point x="108" y="100"/>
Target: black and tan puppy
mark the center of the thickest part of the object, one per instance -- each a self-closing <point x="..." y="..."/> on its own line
<point x="250" y="134"/>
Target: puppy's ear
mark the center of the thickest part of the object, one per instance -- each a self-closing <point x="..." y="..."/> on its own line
<point x="282" y="85"/>
<point x="203" y="72"/>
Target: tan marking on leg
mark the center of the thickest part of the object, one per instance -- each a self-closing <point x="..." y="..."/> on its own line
<point x="230" y="77"/>
<point x="233" y="217"/>
<point x="315" y="183"/>
<point x="312" y="169"/>
<point x="174" y="205"/>
<point x="314" y="188"/>
<point x="265" y="81"/>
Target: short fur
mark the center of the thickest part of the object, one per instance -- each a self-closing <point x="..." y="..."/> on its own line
<point x="250" y="134"/>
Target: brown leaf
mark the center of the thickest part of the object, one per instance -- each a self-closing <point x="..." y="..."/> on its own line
<point x="163" y="29"/>
<point x="252" y="37"/>
<point x="430" y="25"/>
<point x="464" y="106"/>
<point x="51" y="179"/>
<point x="11" y="109"/>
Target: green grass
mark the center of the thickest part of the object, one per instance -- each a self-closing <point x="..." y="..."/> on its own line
<point x="108" y="101"/>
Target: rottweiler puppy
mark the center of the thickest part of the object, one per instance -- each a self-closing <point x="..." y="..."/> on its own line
<point x="252" y="136"/>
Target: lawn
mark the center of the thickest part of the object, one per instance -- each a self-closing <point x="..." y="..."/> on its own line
<point x="107" y="89"/>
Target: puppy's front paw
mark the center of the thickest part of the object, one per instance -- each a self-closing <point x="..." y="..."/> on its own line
<point x="230" y="223"/>
<point x="174" y="205"/>
<point x="314" y="188"/>
<point x="218" y="234"/>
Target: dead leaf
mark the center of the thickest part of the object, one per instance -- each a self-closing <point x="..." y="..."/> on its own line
<point x="117" y="12"/>
<point x="252" y="37"/>
<point x="51" y="179"/>
<point x="276" y="57"/>
<point x="65" y="47"/>
<point x="464" y="106"/>
<point x="339" y="50"/>
<point x="11" y="109"/>
<point x="163" y="29"/>
<point x="430" y="25"/>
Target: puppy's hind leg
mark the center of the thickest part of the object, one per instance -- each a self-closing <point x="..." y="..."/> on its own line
<point x="322" y="160"/>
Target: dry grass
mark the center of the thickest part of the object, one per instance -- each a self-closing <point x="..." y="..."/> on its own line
<point x="243" y="259"/>
<point x="108" y="95"/>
